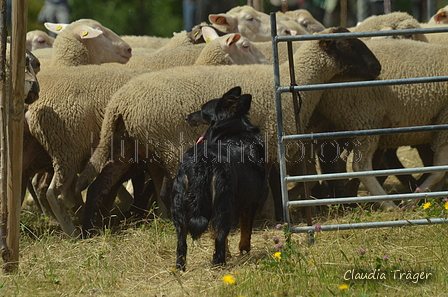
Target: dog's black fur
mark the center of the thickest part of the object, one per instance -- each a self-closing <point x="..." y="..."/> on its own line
<point x="221" y="179"/>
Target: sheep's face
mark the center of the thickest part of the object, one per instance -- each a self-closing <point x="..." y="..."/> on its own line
<point x="31" y="84"/>
<point x="101" y="44"/>
<point x="38" y="39"/>
<point x="353" y="56"/>
<point x="107" y="45"/>
<point x="246" y="20"/>
<point x="306" y="20"/>
<point x="241" y="51"/>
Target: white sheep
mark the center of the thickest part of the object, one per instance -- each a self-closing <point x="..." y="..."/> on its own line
<point x="391" y="21"/>
<point x="37" y="39"/>
<point x="253" y="24"/>
<point x="175" y="92"/>
<point x="304" y="18"/>
<point x="67" y="119"/>
<point x="87" y="42"/>
<point x="395" y="106"/>
<point x="225" y="50"/>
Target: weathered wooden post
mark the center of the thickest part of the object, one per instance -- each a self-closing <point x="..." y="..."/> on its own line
<point x="257" y="4"/>
<point x="15" y="139"/>
<point x="5" y="253"/>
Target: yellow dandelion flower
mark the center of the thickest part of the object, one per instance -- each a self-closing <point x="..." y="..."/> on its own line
<point x="228" y="279"/>
<point x="446" y="205"/>
<point x="278" y="255"/>
<point x="343" y="287"/>
<point x="311" y="262"/>
<point x="427" y="205"/>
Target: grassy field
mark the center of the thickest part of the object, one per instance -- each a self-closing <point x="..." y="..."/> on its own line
<point x="138" y="260"/>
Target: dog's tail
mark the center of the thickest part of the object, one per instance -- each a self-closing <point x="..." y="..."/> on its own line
<point x="197" y="226"/>
<point x="189" y="202"/>
<point x="199" y="193"/>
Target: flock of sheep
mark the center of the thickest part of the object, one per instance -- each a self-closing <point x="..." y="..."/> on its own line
<point x="112" y="108"/>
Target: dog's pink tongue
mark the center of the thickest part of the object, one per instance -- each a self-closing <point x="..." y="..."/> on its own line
<point x="201" y="139"/>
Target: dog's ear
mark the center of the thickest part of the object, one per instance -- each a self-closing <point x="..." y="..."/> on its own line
<point x="245" y="101"/>
<point x="230" y="99"/>
<point x="233" y="92"/>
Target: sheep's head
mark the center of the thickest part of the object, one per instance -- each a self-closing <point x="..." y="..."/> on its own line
<point x="228" y="49"/>
<point x="32" y="67"/>
<point x="98" y="43"/>
<point x="253" y="24"/>
<point x="37" y="39"/>
<point x="352" y="55"/>
<point x="306" y="20"/>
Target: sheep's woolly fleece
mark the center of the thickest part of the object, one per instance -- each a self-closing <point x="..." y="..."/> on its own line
<point x="68" y="115"/>
<point x="398" y="105"/>
<point x="391" y="21"/>
<point x="175" y="92"/>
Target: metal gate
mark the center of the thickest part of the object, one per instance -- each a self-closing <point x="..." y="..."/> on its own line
<point x="282" y="138"/>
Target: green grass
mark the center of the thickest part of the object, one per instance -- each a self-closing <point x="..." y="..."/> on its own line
<point x="138" y="260"/>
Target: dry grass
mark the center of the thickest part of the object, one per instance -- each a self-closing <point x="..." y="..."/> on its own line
<point x="138" y="260"/>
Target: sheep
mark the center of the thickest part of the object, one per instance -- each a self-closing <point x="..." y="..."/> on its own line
<point x="394" y="106"/>
<point x="304" y="18"/>
<point x="37" y="39"/>
<point x="181" y="89"/>
<point x="256" y="32"/>
<point x="253" y="24"/>
<point x="239" y="51"/>
<point x="67" y="128"/>
<point x="391" y="21"/>
<point x="85" y="42"/>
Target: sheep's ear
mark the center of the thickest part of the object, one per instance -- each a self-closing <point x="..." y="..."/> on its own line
<point x="87" y="32"/>
<point x="223" y="19"/>
<point x="55" y="27"/>
<point x="230" y="40"/>
<point x="209" y="34"/>
<point x="440" y="15"/>
<point x="325" y="43"/>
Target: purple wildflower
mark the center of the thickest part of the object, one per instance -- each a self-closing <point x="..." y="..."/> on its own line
<point x="318" y="228"/>
<point x="276" y="240"/>
<point x="279" y="245"/>
<point x="278" y="226"/>
<point x="361" y="251"/>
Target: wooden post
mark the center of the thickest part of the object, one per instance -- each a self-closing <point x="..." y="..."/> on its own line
<point x="4" y="250"/>
<point x="19" y="25"/>
<point x="257" y="4"/>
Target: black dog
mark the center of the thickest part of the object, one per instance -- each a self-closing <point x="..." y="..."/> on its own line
<point x="222" y="178"/>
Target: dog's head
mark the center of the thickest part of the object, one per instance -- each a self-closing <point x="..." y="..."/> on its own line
<point x="229" y="105"/>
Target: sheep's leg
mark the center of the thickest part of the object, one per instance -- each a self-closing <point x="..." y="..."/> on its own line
<point x="39" y="185"/>
<point x="362" y="161"/>
<point x="163" y="185"/>
<point x="60" y="209"/>
<point x="440" y="159"/>
<point x="106" y="183"/>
